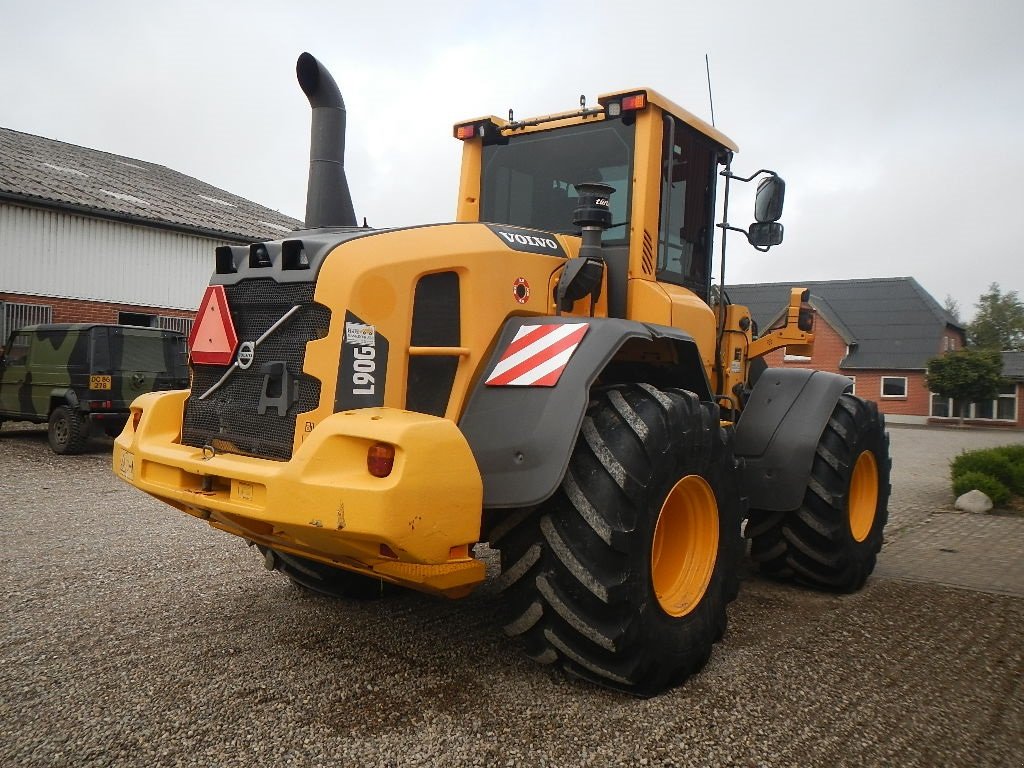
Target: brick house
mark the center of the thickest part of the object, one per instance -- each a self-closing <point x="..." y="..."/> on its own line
<point x="89" y="236"/>
<point x="881" y="332"/>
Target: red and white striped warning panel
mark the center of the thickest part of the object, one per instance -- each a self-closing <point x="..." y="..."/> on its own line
<point x="537" y="355"/>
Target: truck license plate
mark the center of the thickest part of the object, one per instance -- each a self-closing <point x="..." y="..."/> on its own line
<point x="99" y="382"/>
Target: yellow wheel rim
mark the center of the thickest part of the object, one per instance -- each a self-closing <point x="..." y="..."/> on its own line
<point x="863" y="495"/>
<point x="685" y="546"/>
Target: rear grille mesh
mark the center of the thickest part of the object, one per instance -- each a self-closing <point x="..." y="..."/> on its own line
<point x="228" y="419"/>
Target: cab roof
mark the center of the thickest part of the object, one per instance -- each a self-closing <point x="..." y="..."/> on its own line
<point x="545" y="122"/>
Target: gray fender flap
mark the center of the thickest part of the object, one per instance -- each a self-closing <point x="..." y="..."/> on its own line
<point x="779" y="430"/>
<point x="64" y="397"/>
<point x="522" y="436"/>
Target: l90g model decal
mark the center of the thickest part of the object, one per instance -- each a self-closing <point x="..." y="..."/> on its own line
<point x="362" y="372"/>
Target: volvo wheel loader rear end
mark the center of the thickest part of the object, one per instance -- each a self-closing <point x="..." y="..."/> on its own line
<point x="553" y="373"/>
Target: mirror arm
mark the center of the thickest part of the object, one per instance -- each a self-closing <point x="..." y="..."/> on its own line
<point x="729" y="175"/>
<point x="746" y="234"/>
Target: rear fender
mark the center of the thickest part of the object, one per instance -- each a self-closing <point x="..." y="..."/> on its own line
<point x="522" y="436"/>
<point x="778" y="432"/>
<point x="59" y="397"/>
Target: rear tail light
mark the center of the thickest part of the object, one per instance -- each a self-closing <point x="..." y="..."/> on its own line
<point x="380" y="459"/>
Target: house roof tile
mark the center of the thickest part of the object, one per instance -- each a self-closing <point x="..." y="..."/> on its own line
<point x="888" y="323"/>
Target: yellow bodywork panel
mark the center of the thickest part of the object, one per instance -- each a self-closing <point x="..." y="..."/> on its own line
<point x="324" y="504"/>
<point x="375" y="278"/>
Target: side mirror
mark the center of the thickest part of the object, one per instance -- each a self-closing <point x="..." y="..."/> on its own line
<point x="771" y="193"/>
<point x="765" y="234"/>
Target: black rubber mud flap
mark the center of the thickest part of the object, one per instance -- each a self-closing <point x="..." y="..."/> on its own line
<point x="522" y="435"/>
<point x="779" y="430"/>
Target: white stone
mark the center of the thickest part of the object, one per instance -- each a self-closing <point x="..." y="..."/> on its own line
<point x="974" y="501"/>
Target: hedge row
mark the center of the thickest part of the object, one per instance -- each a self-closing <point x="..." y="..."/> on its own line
<point x="997" y="472"/>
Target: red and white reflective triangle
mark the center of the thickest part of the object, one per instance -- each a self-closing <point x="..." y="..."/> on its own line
<point x="537" y="355"/>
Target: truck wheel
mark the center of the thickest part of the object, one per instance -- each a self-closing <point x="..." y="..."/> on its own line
<point x="832" y="540"/>
<point x="623" y="576"/>
<point x="323" y="579"/>
<point x="68" y="432"/>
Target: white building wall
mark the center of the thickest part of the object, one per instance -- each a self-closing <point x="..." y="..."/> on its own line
<point x="52" y="253"/>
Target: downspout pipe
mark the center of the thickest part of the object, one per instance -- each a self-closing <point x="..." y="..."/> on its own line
<point x="328" y="200"/>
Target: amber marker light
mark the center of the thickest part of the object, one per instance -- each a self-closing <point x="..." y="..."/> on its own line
<point x="631" y="103"/>
<point x="464" y="132"/>
<point x="380" y="459"/>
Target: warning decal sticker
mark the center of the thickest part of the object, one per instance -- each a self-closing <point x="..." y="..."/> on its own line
<point x="537" y="355"/>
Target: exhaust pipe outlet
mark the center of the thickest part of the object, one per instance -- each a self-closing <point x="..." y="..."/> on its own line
<point x="328" y="200"/>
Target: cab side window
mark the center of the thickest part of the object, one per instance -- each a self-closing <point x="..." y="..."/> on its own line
<point x="18" y="353"/>
<point x="688" y="176"/>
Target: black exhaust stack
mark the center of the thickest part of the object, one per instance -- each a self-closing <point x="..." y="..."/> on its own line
<point x="328" y="200"/>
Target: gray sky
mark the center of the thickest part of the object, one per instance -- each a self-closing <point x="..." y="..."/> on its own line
<point x="898" y="126"/>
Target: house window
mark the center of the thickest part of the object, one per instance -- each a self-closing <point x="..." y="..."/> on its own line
<point x="1002" y="408"/>
<point x="894" y="386"/>
<point x="942" y="407"/>
<point x="136" y="318"/>
<point x="853" y="384"/>
<point x="168" y="323"/>
<point x="1006" y="404"/>
<point x="14" y="315"/>
<point x="788" y="358"/>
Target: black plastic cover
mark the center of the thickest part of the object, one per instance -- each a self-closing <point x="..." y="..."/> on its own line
<point x="522" y="437"/>
<point x="778" y="432"/>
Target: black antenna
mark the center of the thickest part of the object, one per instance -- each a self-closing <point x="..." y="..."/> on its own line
<point x="707" y="66"/>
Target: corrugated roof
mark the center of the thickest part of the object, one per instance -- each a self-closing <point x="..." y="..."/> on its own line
<point x="889" y="323"/>
<point x="53" y="173"/>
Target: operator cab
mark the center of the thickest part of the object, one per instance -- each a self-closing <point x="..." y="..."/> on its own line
<point x="662" y="207"/>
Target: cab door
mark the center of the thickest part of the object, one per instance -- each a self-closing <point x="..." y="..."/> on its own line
<point x="15" y="381"/>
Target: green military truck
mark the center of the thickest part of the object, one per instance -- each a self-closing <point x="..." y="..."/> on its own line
<point x="82" y="377"/>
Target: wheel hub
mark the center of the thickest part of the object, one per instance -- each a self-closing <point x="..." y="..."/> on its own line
<point x="685" y="546"/>
<point x="863" y="495"/>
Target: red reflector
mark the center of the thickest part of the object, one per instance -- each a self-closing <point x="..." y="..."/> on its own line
<point x="213" y="339"/>
<point x="380" y="459"/>
<point x="638" y="101"/>
<point x="465" y="132"/>
<point x="136" y="418"/>
<point x="100" y="404"/>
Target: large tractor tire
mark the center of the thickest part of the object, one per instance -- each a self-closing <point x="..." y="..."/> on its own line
<point x="68" y="432"/>
<point x="323" y="579"/>
<point x="832" y="540"/>
<point x="623" y="576"/>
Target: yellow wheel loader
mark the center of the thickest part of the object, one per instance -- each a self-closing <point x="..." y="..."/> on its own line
<point x="553" y="374"/>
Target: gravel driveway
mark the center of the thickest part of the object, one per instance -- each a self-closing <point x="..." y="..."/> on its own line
<point x="134" y="635"/>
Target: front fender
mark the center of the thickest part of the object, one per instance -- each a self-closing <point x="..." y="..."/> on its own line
<point x="778" y="433"/>
<point x="522" y="436"/>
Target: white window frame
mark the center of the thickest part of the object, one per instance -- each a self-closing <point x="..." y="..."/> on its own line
<point x="788" y="358"/>
<point x="853" y="384"/>
<point x="972" y="411"/>
<point x="881" y="388"/>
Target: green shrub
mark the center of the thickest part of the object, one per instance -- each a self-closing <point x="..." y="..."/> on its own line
<point x="990" y="486"/>
<point x="993" y="462"/>
<point x="1014" y="454"/>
